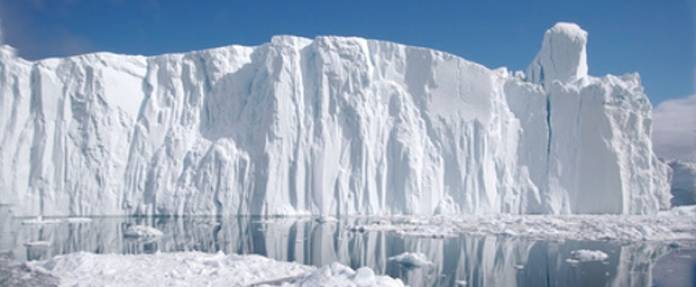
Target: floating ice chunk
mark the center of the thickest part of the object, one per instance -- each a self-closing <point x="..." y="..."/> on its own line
<point x="201" y="269"/>
<point x="37" y="244"/>
<point x="586" y="255"/>
<point x="142" y="232"/>
<point x="411" y="259"/>
<point x="326" y="219"/>
<point x="78" y="220"/>
<point x="41" y="220"/>
<point x="460" y="282"/>
<point x="336" y="274"/>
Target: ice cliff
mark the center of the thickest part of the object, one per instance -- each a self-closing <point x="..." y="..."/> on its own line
<point x="327" y="126"/>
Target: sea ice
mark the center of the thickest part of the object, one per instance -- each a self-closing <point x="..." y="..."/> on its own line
<point x="199" y="269"/>
<point x="676" y="224"/>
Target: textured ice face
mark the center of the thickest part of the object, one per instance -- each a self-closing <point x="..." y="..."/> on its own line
<point x="328" y="126"/>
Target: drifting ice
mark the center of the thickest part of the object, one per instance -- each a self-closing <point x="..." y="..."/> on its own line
<point x="330" y="126"/>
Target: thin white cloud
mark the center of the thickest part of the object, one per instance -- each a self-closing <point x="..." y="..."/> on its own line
<point x="674" y="133"/>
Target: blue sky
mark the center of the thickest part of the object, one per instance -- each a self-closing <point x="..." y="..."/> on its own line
<point x="655" y="38"/>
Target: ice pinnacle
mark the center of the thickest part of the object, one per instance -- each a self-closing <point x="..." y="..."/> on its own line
<point x="563" y="55"/>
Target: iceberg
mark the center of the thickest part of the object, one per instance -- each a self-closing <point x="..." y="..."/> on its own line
<point x="327" y="126"/>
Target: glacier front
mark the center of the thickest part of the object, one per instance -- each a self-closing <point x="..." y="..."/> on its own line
<point x="329" y="126"/>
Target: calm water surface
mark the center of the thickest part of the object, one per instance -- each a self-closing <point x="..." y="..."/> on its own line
<point x="479" y="261"/>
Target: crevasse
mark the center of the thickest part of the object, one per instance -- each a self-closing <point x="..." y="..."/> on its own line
<point x="329" y="126"/>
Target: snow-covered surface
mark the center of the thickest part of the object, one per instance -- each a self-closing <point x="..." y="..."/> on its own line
<point x="199" y="269"/>
<point x="142" y="232"/>
<point x="411" y="259"/>
<point x="683" y="181"/>
<point x="585" y="255"/>
<point x="325" y="126"/>
<point x="666" y="226"/>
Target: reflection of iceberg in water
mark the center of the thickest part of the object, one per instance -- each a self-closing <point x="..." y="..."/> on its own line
<point x="480" y="261"/>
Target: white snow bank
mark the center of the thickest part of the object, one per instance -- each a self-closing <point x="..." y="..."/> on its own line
<point x="199" y="269"/>
<point x="142" y="232"/>
<point x="666" y="226"/>
<point x="585" y="255"/>
<point x="411" y="259"/>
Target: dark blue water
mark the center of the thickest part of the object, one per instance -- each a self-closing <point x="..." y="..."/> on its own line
<point x="479" y="261"/>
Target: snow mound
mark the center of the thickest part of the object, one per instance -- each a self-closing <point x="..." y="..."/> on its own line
<point x="326" y="126"/>
<point x="142" y="232"/>
<point x="411" y="259"/>
<point x="200" y="269"/>
<point x="585" y="255"/>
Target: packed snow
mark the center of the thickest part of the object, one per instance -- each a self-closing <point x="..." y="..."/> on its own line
<point x="412" y="259"/>
<point x="327" y="126"/>
<point x="584" y="255"/>
<point x="199" y="269"/>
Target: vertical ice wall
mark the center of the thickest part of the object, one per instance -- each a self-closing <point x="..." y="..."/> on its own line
<point x="326" y="126"/>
